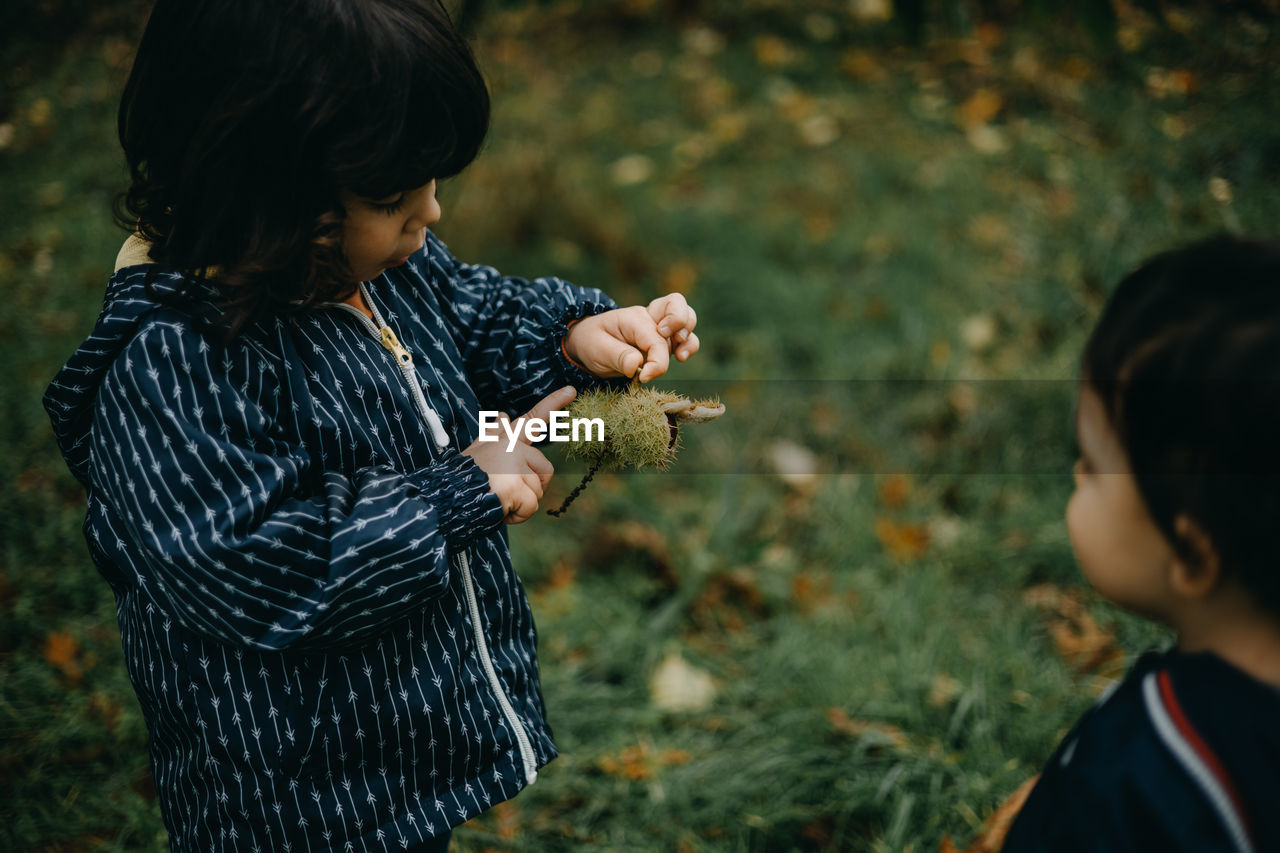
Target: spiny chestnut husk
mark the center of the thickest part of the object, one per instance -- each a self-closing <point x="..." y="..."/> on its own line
<point x="641" y="429"/>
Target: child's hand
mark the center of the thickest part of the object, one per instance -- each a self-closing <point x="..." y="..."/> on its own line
<point x="640" y="338"/>
<point x="519" y="476"/>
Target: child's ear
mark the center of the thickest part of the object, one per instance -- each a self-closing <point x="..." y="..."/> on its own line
<point x="1196" y="568"/>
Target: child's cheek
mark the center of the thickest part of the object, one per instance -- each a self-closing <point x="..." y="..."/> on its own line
<point x="1078" y="526"/>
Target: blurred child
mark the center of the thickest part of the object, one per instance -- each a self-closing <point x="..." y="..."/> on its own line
<point x="276" y="418"/>
<point x="1174" y="517"/>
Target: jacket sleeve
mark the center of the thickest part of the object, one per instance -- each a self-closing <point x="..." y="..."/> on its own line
<point x="509" y="329"/>
<point x="240" y="535"/>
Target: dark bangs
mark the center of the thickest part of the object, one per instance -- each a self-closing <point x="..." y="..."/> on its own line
<point x="415" y="109"/>
<point x="243" y="119"/>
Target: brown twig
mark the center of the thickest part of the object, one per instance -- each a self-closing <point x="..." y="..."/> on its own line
<point x="595" y="466"/>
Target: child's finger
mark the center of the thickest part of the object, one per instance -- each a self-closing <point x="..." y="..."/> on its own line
<point x="534" y="484"/>
<point x="523" y="505"/>
<point x="630" y="361"/>
<point x="653" y="369"/>
<point x="657" y="354"/>
<point x="683" y="321"/>
<point x="688" y="348"/>
<point x="672" y="314"/>
<point x="662" y="304"/>
<point x="541" y="467"/>
<point x="678" y="340"/>
<point x="633" y="345"/>
<point x="553" y="402"/>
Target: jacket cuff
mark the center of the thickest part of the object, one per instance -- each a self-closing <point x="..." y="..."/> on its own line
<point x="458" y="490"/>
<point x="570" y="372"/>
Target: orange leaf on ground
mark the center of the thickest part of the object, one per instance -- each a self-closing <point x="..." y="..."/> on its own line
<point x="1162" y="83"/>
<point x="861" y="65"/>
<point x="810" y="590"/>
<point x="1083" y="644"/>
<point x="641" y="761"/>
<point x="902" y="541"/>
<point x="556" y="593"/>
<point x="771" y="51"/>
<point x="1076" y="634"/>
<point x="61" y="650"/>
<point x="989" y="34"/>
<point x="981" y="107"/>
<point x="885" y="734"/>
<point x="991" y="836"/>
<point x="674" y="756"/>
<point x="562" y="575"/>
<point x="894" y="490"/>
<point x="507" y="816"/>
<point x="630" y="763"/>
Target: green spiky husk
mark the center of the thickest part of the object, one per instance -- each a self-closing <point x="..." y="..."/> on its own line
<point x="637" y="433"/>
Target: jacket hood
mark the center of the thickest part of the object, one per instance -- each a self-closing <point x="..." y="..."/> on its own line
<point x="133" y="293"/>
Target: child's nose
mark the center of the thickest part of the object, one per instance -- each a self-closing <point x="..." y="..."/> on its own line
<point x="428" y="210"/>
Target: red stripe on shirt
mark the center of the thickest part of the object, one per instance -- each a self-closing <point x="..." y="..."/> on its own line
<point x="1202" y="749"/>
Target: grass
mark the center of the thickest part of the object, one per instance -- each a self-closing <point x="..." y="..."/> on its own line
<point x="895" y="253"/>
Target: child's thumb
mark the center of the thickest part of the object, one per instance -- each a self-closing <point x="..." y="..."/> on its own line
<point x="630" y="360"/>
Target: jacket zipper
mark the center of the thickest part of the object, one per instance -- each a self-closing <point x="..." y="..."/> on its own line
<point x="482" y="647"/>
<point x="379" y="329"/>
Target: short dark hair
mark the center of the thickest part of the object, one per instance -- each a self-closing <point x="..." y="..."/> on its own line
<point x="1186" y="360"/>
<point x="242" y="119"/>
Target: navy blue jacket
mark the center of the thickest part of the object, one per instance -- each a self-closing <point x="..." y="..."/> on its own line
<point x="1184" y="755"/>
<point x="316" y="599"/>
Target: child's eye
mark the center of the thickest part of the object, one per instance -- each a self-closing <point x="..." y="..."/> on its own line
<point x="389" y="206"/>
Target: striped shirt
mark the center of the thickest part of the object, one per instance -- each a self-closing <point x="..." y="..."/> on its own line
<point x="317" y="605"/>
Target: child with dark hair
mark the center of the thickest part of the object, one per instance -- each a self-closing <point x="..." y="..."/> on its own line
<point x="1173" y="517"/>
<point x="276" y="420"/>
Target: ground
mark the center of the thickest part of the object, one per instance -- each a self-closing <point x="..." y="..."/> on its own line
<point x="848" y="616"/>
